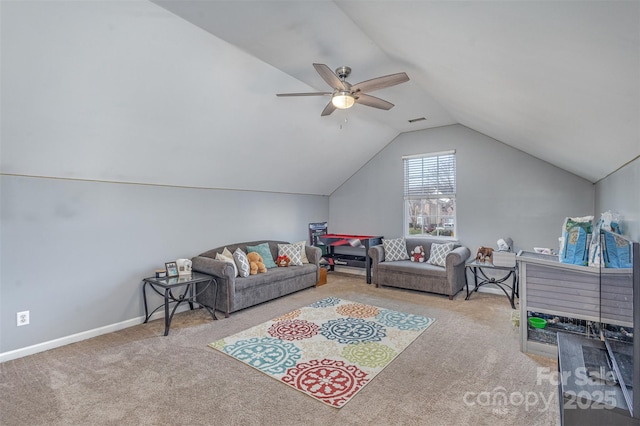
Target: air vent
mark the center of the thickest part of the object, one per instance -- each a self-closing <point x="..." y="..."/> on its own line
<point x="414" y="120"/>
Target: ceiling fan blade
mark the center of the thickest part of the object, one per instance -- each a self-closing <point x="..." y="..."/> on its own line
<point x="328" y="109"/>
<point x="329" y="76"/>
<point x="372" y="101"/>
<point x="381" y="82"/>
<point x="305" y="94"/>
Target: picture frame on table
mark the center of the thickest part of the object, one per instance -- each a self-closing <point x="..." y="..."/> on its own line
<point x="172" y="269"/>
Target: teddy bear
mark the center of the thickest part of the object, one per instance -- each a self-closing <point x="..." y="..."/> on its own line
<point x="283" y="261"/>
<point x="484" y="254"/>
<point x="255" y="263"/>
<point x="417" y="254"/>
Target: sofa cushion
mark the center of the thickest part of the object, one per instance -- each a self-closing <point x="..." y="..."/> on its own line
<point x="439" y="253"/>
<point x="274" y="275"/>
<point x="415" y="268"/>
<point x="292" y="251"/>
<point x="264" y="251"/>
<point x="395" y="249"/>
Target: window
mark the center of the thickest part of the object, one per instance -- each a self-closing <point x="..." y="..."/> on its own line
<point x="430" y="194"/>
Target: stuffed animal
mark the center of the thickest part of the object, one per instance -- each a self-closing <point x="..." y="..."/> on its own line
<point x="255" y="263"/>
<point x="283" y="261"/>
<point x="417" y="254"/>
<point x="484" y="254"/>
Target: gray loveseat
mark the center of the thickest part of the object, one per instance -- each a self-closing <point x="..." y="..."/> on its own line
<point x="235" y="293"/>
<point x="447" y="280"/>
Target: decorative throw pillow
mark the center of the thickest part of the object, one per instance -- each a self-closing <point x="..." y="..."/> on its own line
<point x="222" y="257"/>
<point x="439" y="254"/>
<point x="395" y="249"/>
<point x="265" y="253"/>
<point x="242" y="263"/>
<point x="292" y="251"/>
<point x="303" y="251"/>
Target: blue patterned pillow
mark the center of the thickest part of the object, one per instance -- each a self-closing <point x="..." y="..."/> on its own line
<point x="265" y="253"/>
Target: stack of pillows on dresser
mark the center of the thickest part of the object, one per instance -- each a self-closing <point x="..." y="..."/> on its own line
<point x="396" y="249"/>
<point x="241" y="265"/>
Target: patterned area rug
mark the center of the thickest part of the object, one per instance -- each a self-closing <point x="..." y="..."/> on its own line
<point x="328" y="350"/>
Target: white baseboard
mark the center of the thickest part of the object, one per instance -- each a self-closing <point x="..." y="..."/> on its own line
<point x="78" y="337"/>
<point x="84" y="335"/>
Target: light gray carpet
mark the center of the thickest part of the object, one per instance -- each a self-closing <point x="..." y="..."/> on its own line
<point x="139" y="377"/>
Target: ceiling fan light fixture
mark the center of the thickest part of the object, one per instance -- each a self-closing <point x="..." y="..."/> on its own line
<point x="343" y="100"/>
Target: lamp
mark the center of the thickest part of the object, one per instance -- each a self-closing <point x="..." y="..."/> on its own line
<point x="343" y="99"/>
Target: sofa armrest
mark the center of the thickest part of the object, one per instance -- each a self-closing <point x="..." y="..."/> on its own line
<point x="456" y="269"/>
<point x="210" y="266"/>
<point x="225" y="276"/>
<point x="314" y="254"/>
<point x="376" y="253"/>
<point x="457" y="256"/>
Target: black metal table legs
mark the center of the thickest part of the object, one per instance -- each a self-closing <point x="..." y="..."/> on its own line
<point x="480" y="279"/>
<point x="189" y="296"/>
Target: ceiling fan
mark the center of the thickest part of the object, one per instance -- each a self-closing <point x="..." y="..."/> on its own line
<point x="345" y="94"/>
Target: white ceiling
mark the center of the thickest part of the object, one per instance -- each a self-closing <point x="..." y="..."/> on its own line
<point x="559" y="80"/>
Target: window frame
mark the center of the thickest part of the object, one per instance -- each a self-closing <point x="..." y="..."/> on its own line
<point x="411" y="192"/>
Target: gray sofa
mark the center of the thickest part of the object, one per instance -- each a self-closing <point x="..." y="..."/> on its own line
<point x="235" y="293"/>
<point x="447" y="280"/>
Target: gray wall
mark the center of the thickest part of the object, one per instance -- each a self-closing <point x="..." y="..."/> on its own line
<point x="620" y="192"/>
<point x="501" y="191"/>
<point x="96" y="93"/>
<point x="74" y="252"/>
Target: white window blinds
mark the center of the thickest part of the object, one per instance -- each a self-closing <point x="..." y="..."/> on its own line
<point x="430" y="175"/>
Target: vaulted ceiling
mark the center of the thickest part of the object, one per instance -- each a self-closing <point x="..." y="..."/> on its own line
<point x="559" y="80"/>
<point x="111" y="90"/>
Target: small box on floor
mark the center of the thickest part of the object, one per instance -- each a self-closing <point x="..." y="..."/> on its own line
<point x="323" y="276"/>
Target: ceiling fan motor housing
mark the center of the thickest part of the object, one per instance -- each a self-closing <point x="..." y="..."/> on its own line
<point x="343" y="72"/>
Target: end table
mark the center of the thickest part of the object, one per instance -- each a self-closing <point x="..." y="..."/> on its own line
<point x="189" y="288"/>
<point x="480" y="279"/>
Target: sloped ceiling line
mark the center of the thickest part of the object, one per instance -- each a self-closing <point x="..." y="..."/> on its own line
<point x="554" y="79"/>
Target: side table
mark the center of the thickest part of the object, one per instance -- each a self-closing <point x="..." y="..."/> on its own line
<point x="165" y="287"/>
<point x="480" y="279"/>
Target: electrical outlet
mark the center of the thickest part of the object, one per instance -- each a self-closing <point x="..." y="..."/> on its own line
<point x="23" y="318"/>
